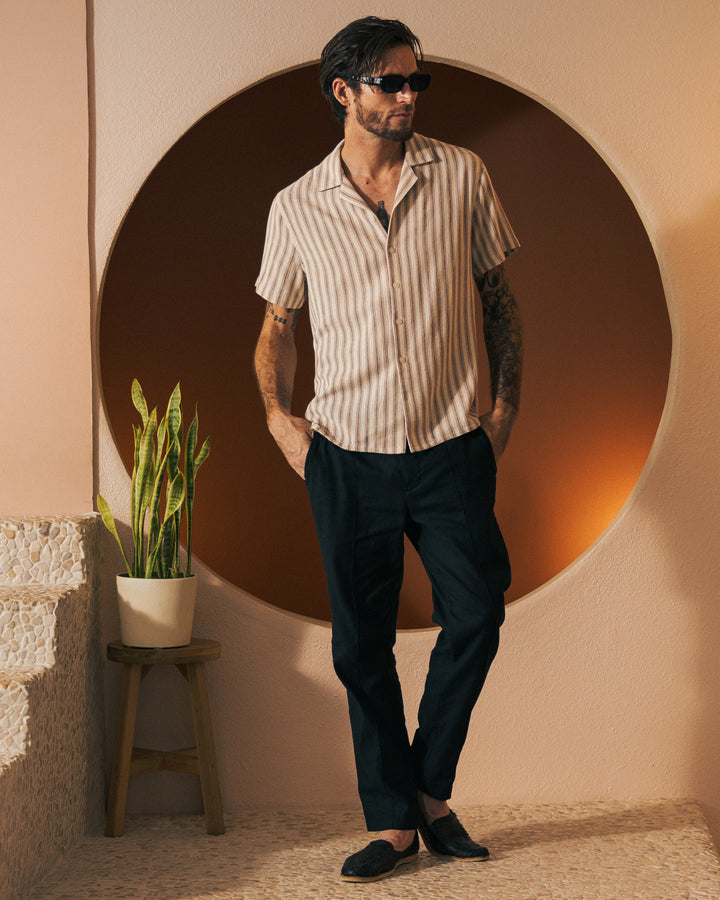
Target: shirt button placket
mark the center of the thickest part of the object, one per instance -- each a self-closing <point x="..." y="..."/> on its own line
<point x="400" y="331"/>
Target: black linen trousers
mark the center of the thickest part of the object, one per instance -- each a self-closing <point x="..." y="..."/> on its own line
<point x="363" y="504"/>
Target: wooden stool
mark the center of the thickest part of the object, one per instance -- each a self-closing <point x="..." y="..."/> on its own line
<point x="198" y="760"/>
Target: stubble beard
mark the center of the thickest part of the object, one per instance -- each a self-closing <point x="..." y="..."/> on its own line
<point x="375" y="124"/>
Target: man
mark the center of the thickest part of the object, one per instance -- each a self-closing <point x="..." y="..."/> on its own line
<point x="382" y="241"/>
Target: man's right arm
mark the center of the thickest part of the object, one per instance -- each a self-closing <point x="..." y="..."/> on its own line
<point x="275" y="365"/>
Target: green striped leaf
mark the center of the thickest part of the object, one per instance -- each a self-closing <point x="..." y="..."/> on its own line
<point x="203" y="454"/>
<point x="138" y="399"/>
<point x="109" y="522"/>
<point x="142" y="493"/>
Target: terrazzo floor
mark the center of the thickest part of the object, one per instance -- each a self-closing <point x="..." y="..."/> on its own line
<point x="659" y="850"/>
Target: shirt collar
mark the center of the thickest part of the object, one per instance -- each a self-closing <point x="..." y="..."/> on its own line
<point x="418" y="152"/>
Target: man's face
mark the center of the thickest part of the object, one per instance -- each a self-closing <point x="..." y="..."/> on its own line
<point x="388" y="116"/>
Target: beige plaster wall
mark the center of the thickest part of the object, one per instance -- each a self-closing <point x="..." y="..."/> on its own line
<point x="45" y="354"/>
<point x="608" y="680"/>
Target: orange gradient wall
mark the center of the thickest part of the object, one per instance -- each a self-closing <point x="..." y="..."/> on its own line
<point x="179" y="291"/>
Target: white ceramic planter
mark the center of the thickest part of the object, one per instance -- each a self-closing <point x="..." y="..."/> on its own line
<point x="156" y="612"/>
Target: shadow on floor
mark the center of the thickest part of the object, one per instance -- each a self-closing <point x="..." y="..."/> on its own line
<point x="558" y="852"/>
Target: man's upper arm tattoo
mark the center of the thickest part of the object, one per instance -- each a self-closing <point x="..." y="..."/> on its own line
<point x="281" y="315"/>
<point x="503" y="335"/>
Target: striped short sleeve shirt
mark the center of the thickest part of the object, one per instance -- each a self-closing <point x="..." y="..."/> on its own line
<point x="392" y="312"/>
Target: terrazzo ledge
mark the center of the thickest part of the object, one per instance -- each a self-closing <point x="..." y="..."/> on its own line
<point x="51" y="758"/>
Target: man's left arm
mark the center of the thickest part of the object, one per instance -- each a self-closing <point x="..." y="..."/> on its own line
<point x="504" y="343"/>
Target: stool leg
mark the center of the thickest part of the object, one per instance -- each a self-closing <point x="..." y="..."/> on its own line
<point x="122" y="756"/>
<point x="205" y="748"/>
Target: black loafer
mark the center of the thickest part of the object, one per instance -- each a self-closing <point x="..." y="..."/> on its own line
<point x="446" y="837"/>
<point x="378" y="860"/>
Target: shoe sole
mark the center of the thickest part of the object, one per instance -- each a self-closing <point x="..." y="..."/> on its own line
<point x="365" y="879"/>
<point x="458" y="858"/>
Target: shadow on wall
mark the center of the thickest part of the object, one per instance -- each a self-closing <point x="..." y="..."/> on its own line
<point x="179" y="290"/>
<point x="694" y="523"/>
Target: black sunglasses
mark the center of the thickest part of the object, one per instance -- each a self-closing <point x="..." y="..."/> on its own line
<point x="391" y="84"/>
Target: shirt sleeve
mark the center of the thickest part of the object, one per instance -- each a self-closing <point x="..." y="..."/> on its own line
<point x="282" y="279"/>
<point x="493" y="239"/>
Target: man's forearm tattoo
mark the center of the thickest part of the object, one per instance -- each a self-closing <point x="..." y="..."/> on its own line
<point x="273" y="312"/>
<point x="503" y="336"/>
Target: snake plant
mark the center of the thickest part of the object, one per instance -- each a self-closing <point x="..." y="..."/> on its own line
<point x="165" y="466"/>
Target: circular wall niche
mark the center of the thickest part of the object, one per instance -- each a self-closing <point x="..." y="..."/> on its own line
<point x="178" y="303"/>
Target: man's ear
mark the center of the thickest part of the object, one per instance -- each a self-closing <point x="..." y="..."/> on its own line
<point x="342" y="91"/>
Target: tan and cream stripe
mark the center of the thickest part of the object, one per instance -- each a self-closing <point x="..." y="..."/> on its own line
<point x="392" y="313"/>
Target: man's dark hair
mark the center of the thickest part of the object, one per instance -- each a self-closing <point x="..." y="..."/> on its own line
<point x="358" y="50"/>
